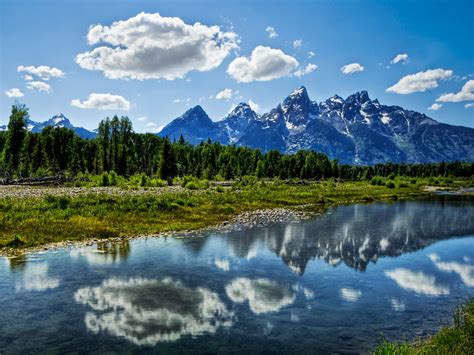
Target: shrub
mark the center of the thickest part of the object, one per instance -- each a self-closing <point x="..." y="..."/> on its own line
<point x="192" y="185"/>
<point x="390" y="184"/>
<point x="219" y="188"/>
<point x="113" y="178"/>
<point x="104" y="179"/>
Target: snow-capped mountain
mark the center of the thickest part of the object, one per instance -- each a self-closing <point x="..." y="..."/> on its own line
<point x="355" y="130"/>
<point x="58" y="120"/>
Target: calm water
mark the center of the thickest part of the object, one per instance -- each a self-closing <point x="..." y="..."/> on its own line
<point x="330" y="284"/>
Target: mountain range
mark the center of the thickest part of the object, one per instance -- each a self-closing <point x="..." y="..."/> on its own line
<point x="355" y="130"/>
<point x="58" y="120"/>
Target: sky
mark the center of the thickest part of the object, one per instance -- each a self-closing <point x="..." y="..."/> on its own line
<point x="153" y="60"/>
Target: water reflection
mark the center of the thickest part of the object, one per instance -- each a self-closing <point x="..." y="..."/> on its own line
<point x="105" y="253"/>
<point x="350" y="294"/>
<point x="149" y="311"/>
<point x="359" y="234"/>
<point x="263" y="295"/>
<point x="36" y="278"/>
<point x="465" y="272"/>
<point x="418" y="282"/>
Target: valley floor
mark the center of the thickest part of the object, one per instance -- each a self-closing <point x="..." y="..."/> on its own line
<point x="32" y="217"/>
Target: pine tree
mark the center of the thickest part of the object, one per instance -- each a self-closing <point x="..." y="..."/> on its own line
<point x="14" y="139"/>
<point x="168" y="167"/>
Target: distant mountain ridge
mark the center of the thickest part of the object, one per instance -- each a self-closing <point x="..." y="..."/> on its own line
<point x="58" y="120"/>
<point x="355" y="130"/>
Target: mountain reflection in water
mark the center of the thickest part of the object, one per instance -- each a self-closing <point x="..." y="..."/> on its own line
<point x="358" y="234"/>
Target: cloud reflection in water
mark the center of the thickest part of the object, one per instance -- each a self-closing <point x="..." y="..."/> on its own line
<point x="149" y="311"/>
<point x="263" y="295"/>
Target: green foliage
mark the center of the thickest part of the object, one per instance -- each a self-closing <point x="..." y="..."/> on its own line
<point x="457" y="339"/>
<point x="390" y="184"/>
<point x="125" y="155"/>
<point x="192" y="185"/>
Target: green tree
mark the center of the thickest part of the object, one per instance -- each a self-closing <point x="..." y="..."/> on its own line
<point x="168" y="166"/>
<point x="14" y="138"/>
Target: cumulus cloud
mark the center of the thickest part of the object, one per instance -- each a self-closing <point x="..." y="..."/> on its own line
<point x="297" y="43"/>
<point x="14" y="92"/>
<point x="466" y="94"/>
<point x="225" y="94"/>
<point x="417" y="282"/>
<point x="254" y="106"/>
<point x="304" y="71"/>
<point x="39" y="86"/>
<point x="271" y="32"/>
<point x="124" y="308"/>
<point x="28" y="77"/>
<point x="264" y="64"/>
<point x="43" y="72"/>
<point x="102" y="102"/>
<point x="263" y="295"/>
<point x="311" y="54"/>
<point x="420" y="81"/>
<point x="471" y="104"/>
<point x="435" y="107"/>
<point x="351" y="68"/>
<point x="149" y="46"/>
<point x="400" y="58"/>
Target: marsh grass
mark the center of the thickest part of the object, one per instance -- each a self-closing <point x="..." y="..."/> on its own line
<point x="32" y="222"/>
<point x="456" y="339"/>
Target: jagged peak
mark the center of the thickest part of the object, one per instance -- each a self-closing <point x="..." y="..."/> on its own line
<point x="335" y="98"/>
<point x="360" y="96"/>
<point x="242" y="109"/>
<point x="298" y="92"/>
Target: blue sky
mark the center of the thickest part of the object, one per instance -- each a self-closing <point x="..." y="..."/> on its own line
<point x="155" y="72"/>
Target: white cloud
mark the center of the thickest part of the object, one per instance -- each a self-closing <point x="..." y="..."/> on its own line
<point x="417" y="282"/>
<point x="352" y="68"/>
<point x="471" y="104"/>
<point x="271" y="32"/>
<point x="151" y="124"/>
<point x="254" y="106"/>
<point x="420" y="81"/>
<point x="103" y="102"/>
<point x="264" y="64"/>
<point x="225" y="94"/>
<point x="466" y="94"/>
<point x="14" y="92"/>
<point x="297" y="43"/>
<point x="263" y="295"/>
<point x="28" y="77"/>
<point x="149" y="46"/>
<point x="38" y="85"/>
<point x="142" y="118"/>
<point x="303" y="71"/>
<point x="43" y="72"/>
<point x="435" y="107"/>
<point x="311" y="54"/>
<point x="177" y="101"/>
<point x="402" y="57"/>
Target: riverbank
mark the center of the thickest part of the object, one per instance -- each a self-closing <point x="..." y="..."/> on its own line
<point x="44" y="217"/>
<point x="455" y="339"/>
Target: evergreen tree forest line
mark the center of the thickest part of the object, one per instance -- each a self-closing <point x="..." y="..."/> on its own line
<point x="117" y="148"/>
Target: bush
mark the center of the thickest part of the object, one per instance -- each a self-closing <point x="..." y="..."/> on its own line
<point x="192" y="186"/>
<point x="390" y="184"/>
<point x="219" y="188"/>
<point x="113" y="178"/>
<point x="104" y="179"/>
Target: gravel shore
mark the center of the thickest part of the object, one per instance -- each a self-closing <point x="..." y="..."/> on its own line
<point x="250" y="219"/>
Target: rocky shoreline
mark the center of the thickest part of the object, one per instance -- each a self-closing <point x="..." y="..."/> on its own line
<point x="246" y="220"/>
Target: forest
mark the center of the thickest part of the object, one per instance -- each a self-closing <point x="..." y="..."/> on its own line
<point x="119" y="150"/>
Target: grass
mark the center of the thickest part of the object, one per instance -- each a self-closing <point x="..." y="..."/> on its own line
<point x="456" y="339"/>
<point x="31" y="222"/>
